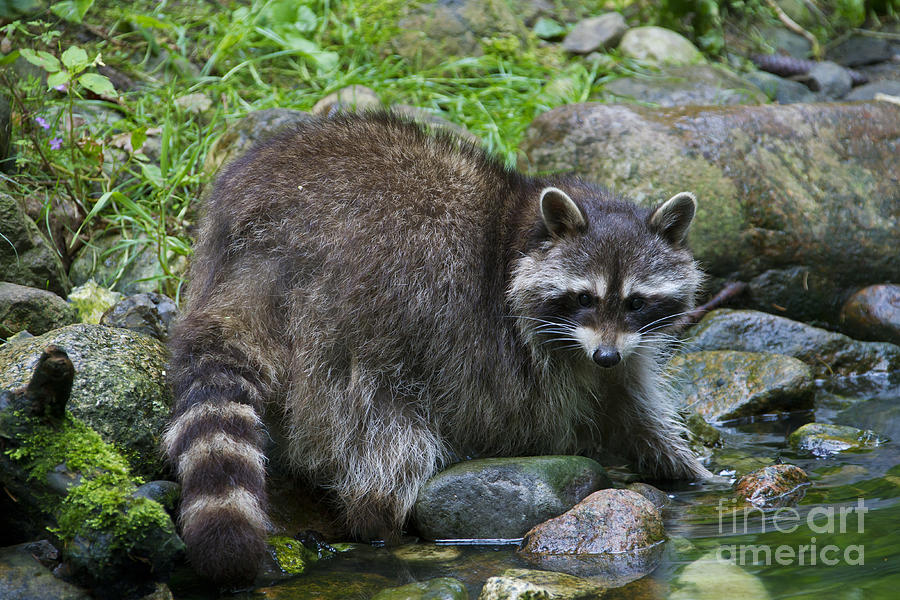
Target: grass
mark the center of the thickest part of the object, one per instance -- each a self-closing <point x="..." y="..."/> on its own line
<point x="139" y="176"/>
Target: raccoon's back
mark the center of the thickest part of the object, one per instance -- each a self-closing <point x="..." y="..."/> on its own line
<point x="367" y="224"/>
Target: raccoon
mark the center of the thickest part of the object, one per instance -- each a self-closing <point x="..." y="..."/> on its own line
<point x="389" y="300"/>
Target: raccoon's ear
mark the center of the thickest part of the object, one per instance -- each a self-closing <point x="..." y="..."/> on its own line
<point x="560" y="213"/>
<point x="673" y="218"/>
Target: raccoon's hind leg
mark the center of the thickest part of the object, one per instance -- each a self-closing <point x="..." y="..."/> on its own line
<point x="369" y="446"/>
<point x="214" y="441"/>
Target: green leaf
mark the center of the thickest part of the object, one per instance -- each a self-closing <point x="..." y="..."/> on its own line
<point x="548" y="29"/>
<point x="42" y="59"/>
<point x="72" y="11"/>
<point x="98" y="84"/>
<point x="148" y="21"/>
<point x="306" y="19"/>
<point x="153" y="174"/>
<point x="138" y="137"/>
<point x="57" y="79"/>
<point x="75" y="58"/>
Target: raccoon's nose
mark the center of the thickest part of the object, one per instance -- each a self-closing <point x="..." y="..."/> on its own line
<point x="607" y="356"/>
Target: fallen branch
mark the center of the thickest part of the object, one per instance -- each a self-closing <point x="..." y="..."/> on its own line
<point x="729" y="292"/>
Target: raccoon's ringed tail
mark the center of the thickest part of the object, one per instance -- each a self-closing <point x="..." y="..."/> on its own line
<point x="214" y="447"/>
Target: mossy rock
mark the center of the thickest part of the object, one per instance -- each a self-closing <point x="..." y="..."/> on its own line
<point x="119" y="390"/>
<point x="722" y="385"/>
<point x="823" y="439"/>
<point x="31" y="309"/>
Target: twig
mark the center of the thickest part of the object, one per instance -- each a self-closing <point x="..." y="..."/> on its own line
<point x="877" y="34"/>
<point x="793" y="26"/>
<point x="730" y="291"/>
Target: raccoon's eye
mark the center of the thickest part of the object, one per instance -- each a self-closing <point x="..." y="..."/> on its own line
<point x="636" y="303"/>
<point x="585" y="299"/>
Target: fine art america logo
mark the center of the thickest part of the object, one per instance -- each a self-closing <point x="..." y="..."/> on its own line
<point x="820" y="520"/>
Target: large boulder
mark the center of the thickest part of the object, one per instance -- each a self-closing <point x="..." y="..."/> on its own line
<point x="828" y="353"/>
<point x="119" y="390"/>
<point x="687" y="85"/>
<point x="778" y="186"/>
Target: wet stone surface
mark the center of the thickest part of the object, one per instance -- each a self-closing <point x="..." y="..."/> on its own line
<point x="503" y="497"/>
<point x="826" y="352"/>
<point x="873" y="313"/>
<point x="773" y="486"/>
<point x="823" y="439"/>
<point x="722" y="385"/>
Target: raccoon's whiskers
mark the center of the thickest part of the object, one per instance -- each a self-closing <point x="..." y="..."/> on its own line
<point x="644" y="329"/>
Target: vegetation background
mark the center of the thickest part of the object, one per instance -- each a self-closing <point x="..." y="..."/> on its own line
<point x="116" y="105"/>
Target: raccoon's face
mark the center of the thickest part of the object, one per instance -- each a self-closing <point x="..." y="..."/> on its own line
<point x="604" y="278"/>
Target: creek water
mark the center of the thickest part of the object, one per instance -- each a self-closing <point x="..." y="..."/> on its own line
<point x="841" y="540"/>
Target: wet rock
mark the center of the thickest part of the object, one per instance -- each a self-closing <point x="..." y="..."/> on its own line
<point x="823" y="439"/>
<point x="431" y="32"/>
<point x="859" y="50"/>
<point x="826" y="352"/>
<point x="595" y="33"/>
<point x="38" y="311"/>
<point x="503" y="497"/>
<point x="113" y="540"/>
<point x="655" y="495"/>
<point x="711" y="578"/>
<point x="353" y="98"/>
<point x="830" y="80"/>
<point x="870" y="90"/>
<point x="797" y="293"/>
<point x="91" y="301"/>
<point x="779" y="89"/>
<point x="527" y="584"/>
<point x="435" y="122"/>
<point x="26" y="257"/>
<point x="119" y="389"/>
<point x="686" y="85"/>
<point x="659" y="46"/>
<point x="611" y="533"/>
<point x="256" y="126"/>
<point x="290" y="556"/>
<point x="873" y="313"/>
<point x="722" y="385"/>
<point x="772" y="191"/>
<point x="441" y="588"/>
<point x="773" y="486"/>
<point x="702" y="433"/>
<point x="151" y="314"/>
<point x="128" y="266"/>
<point x="166" y="493"/>
<point x="426" y="554"/>
<point x="22" y="576"/>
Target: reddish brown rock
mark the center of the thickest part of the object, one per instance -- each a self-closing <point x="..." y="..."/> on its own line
<point x="873" y="313"/>
<point x="614" y="534"/>
<point x="773" y="486"/>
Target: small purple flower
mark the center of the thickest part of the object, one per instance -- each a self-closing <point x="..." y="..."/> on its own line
<point x="42" y="122"/>
<point x="61" y="87"/>
<point x="56" y="143"/>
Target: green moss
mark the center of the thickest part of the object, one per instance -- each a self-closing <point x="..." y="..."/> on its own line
<point x="292" y="556"/>
<point x="103" y="500"/>
<point x="72" y="443"/>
